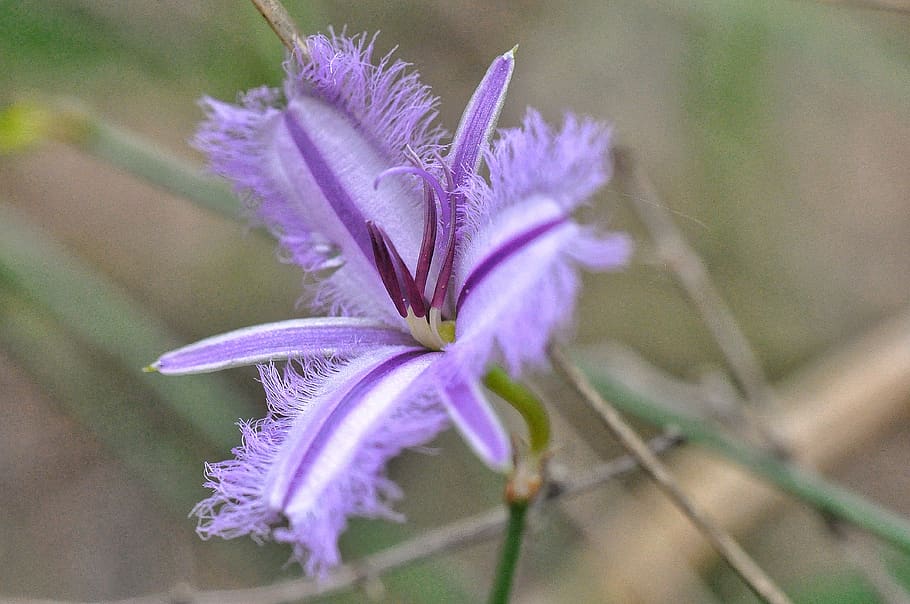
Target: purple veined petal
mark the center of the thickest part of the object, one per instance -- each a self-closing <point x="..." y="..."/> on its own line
<point x="478" y="122"/>
<point x="516" y="275"/>
<point x="295" y="339"/>
<point x="326" y="169"/>
<point x="385" y="96"/>
<point x="310" y="165"/>
<point x="566" y="165"/>
<point x="302" y="397"/>
<point x="323" y="441"/>
<point x="501" y="253"/>
<point x="477" y="422"/>
<point x="508" y="234"/>
<point x="337" y="194"/>
<point x="518" y="281"/>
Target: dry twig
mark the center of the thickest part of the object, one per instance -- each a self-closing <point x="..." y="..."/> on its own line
<point x="689" y="270"/>
<point x="280" y="21"/>
<point x="693" y="277"/>
<point x="750" y="572"/>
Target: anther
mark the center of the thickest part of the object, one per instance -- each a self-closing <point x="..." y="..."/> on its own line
<point x="386" y="268"/>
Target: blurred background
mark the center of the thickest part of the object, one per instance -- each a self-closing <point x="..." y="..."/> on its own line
<point x="777" y="134"/>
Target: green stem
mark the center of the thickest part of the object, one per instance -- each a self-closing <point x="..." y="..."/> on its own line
<point x="26" y="124"/>
<point x="508" y="559"/>
<point x="801" y="483"/>
<point x="108" y="319"/>
<point x="526" y="403"/>
<point x="142" y="159"/>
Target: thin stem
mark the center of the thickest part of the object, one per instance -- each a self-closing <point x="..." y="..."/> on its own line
<point x="30" y="123"/>
<point x="806" y="485"/>
<point x="281" y="23"/>
<point x="866" y="557"/>
<point x="692" y="275"/>
<point x="745" y="567"/>
<point x="694" y="279"/>
<point x="524" y="401"/>
<point x="141" y="158"/>
<point x="53" y="278"/>
<point x="508" y="558"/>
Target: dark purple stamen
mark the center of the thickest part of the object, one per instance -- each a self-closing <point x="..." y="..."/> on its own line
<point x="445" y="273"/>
<point x="428" y="243"/>
<point x="413" y="296"/>
<point x="417" y="171"/>
<point x="386" y="269"/>
<point x="450" y="178"/>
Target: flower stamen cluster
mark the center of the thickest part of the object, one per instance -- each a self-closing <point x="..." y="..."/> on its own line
<point x="408" y="292"/>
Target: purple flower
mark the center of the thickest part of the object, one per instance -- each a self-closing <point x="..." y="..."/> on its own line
<point x="433" y="274"/>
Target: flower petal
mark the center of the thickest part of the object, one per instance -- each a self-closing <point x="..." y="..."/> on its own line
<point x="295" y="339"/>
<point x="332" y="462"/>
<point x="479" y="119"/>
<point x="311" y="167"/>
<point x="320" y="455"/>
<point x="516" y="274"/>
<point x="477" y="422"/>
<point x="386" y="98"/>
<point x="566" y="165"/>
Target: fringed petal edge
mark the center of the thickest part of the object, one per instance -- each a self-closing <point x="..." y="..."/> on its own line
<point x="239" y="505"/>
<point x="387" y="100"/>
<point x="566" y="165"/>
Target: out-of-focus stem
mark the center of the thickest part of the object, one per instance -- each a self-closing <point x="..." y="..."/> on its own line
<point x="508" y="558"/>
<point x="107" y="319"/>
<point x="757" y="580"/>
<point x="692" y="275"/>
<point x="281" y="22"/>
<point x="141" y="158"/>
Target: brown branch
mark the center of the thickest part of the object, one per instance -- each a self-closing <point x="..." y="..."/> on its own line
<point x="281" y="23"/>
<point x="729" y="549"/>
<point x="843" y="400"/>
<point x="692" y="276"/>
<point x="456" y="535"/>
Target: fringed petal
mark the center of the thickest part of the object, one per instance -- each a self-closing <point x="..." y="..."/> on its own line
<point x="319" y="457"/>
<point x="310" y="168"/>
<point x="565" y="166"/>
<point x="386" y="100"/>
<point x="237" y="506"/>
<point x="516" y="277"/>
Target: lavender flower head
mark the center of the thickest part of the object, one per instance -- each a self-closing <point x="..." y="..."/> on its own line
<point x="434" y="274"/>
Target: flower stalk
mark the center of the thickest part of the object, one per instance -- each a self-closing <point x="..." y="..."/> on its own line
<point x="526" y="477"/>
<point x="526" y="403"/>
<point x="511" y="548"/>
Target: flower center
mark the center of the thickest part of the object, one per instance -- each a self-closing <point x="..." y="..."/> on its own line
<point x="409" y="292"/>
